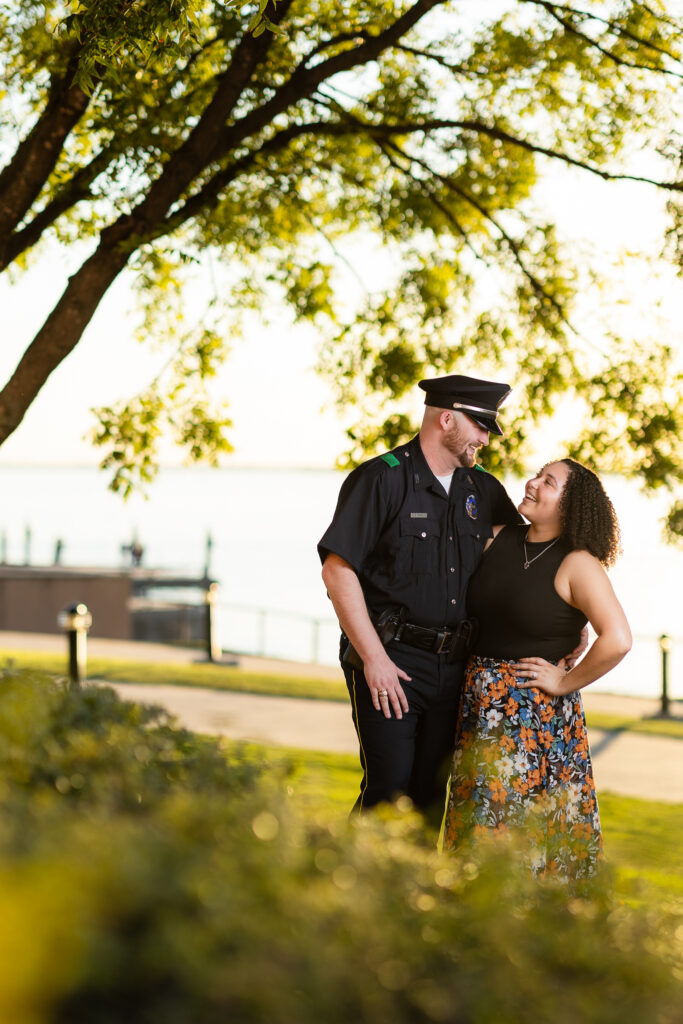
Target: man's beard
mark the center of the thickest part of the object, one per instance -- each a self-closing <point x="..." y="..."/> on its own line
<point x="459" y="447"/>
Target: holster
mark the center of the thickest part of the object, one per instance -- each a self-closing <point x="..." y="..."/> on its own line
<point x="387" y="624"/>
<point x="349" y="654"/>
<point x="462" y="642"/>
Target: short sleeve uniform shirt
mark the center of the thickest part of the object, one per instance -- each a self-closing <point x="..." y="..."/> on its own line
<point x="412" y="546"/>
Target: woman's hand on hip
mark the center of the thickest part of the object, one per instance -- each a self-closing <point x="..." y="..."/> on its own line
<point x="538" y="672"/>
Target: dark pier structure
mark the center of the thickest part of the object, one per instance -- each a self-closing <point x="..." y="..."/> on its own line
<point x="132" y="603"/>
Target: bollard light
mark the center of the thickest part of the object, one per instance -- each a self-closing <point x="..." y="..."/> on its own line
<point x="76" y="620"/>
<point x="213" y="649"/>
<point x="665" y="647"/>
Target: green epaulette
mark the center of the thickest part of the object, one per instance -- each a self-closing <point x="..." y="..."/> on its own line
<point x="390" y="459"/>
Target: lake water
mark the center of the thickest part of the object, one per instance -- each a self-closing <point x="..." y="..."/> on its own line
<point x="264" y="525"/>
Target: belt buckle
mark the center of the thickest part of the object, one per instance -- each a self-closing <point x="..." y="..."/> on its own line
<point x="444" y="636"/>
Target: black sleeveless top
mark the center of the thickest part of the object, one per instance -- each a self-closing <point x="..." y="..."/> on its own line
<point x="519" y="611"/>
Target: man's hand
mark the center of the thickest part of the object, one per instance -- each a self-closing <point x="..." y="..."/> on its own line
<point x="383" y="679"/>
<point x="571" y="659"/>
<point x="382" y="676"/>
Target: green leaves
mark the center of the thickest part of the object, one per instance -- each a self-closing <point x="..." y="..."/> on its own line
<point x="309" y="290"/>
<point x="673" y="526"/>
<point x="112" y="33"/>
<point x="132" y="430"/>
<point x="259" y="21"/>
<point x="176" y="402"/>
<point x="637" y="417"/>
<point x="284" y="138"/>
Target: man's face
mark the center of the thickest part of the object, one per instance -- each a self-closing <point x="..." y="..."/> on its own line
<point x="463" y="438"/>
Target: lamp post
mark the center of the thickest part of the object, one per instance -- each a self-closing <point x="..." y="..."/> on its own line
<point x="213" y="649"/>
<point x="76" y="620"/>
<point x="665" y="648"/>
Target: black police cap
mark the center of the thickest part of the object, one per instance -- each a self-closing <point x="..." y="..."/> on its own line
<point x="478" y="399"/>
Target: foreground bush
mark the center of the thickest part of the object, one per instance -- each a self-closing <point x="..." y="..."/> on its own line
<point x="86" y="746"/>
<point x="171" y="886"/>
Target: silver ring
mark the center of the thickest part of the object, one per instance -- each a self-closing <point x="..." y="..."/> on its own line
<point x="382" y="693"/>
<point x="533" y="675"/>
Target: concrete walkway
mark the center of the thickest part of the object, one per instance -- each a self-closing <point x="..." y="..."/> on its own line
<point x="632" y="764"/>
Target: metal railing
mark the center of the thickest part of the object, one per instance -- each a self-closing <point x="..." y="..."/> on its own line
<point x="264" y="638"/>
<point x="257" y="630"/>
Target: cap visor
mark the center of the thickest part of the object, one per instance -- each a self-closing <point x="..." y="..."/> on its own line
<point x="487" y="424"/>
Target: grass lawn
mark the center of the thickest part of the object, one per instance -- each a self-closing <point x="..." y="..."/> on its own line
<point x="643" y="839"/>
<point x="644" y="842"/>
<point x="213" y="677"/>
<point x="224" y="677"/>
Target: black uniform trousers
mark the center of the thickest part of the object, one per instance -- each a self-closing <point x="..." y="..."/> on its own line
<point x="410" y="755"/>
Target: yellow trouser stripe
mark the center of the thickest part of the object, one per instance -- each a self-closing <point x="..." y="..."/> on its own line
<point x="362" y="751"/>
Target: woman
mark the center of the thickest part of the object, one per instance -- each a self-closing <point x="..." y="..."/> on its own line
<point x="522" y="757"/>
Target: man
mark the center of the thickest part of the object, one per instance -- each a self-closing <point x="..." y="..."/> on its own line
<point x="408" y="532"/>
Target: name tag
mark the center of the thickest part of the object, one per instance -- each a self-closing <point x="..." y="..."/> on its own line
<point x="419" y="515"/>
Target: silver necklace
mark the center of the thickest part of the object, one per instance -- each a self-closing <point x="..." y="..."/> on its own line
<point x="527" y="560"/>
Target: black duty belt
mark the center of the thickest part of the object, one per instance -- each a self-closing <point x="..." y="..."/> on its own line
<point x="453" y="642"/>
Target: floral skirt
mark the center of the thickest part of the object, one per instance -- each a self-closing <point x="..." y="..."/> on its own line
<point x="522" y="764"/>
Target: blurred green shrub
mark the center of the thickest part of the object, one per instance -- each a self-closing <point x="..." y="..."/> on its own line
<point x="172" y="886"/>
<point x="86" y="746"/>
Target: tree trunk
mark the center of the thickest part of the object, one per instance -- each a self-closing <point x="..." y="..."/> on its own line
<point x="59" y="335"/>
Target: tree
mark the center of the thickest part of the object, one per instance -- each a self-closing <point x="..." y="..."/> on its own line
<point x="152" y="130"/>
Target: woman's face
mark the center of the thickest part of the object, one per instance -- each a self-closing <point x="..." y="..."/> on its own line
<point x="542" y="494"/>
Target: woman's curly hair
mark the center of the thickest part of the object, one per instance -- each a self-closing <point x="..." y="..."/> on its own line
<point x="589" y="521"/>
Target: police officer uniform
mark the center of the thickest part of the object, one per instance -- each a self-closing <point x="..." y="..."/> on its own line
<point x="414" y="548"/>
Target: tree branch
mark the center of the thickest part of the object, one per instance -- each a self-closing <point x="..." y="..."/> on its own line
<point x="618" y="29"/>
<point x="480" y="127"/>
<point x="373" y="44"/>
<point x="553" y="9"/>
<point x="207" y="143"/>
<point x="203" y="145"/>
<point x="74" y="191"/>
<point x="661" y="17"/>
<point x="442" y="61"/>
<point x="12" y="242"/>
<point x="436" y="202"/>
<point x="384" y="130"/>
<point x="208" y="196"/>
<point x="304" y="81"/>
<point x="353" y="126"/>
<point x="512" y="245"/>
<point x="341" y="37"/>
<point x="22" y="179"/>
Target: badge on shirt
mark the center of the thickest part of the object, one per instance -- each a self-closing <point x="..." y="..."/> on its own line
<point x="471" y="506"/>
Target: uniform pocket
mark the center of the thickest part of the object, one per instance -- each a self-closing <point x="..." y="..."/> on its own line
<point x="472" y="537"/>
<point x="420" y="544"/>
